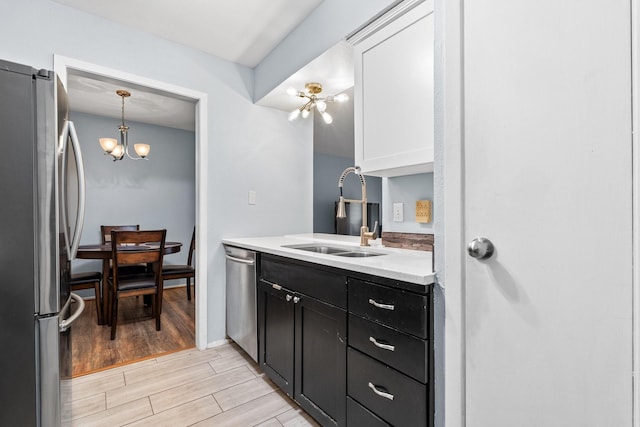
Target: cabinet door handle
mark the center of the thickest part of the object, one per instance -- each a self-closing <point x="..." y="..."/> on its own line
<point x="380" y="393"/>
<point x="380" y="345"/>
<point x="288" y="297"/>
<point x="377" y="304"/>
<point x="296" y="300"/>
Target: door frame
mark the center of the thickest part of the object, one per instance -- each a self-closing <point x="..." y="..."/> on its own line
<point x="62" y="64"/>
<point x="448" y="180"/>
<point x="635" y="124"/>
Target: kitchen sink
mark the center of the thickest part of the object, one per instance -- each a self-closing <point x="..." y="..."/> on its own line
<point x="321" y="249"/>
<point x="333" y="250"/>
<point x="358" y="254"/>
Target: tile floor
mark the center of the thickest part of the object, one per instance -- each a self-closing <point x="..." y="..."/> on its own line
<point x="218" y="387"/>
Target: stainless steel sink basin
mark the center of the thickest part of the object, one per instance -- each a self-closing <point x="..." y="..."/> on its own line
<point x="321" y="249"/>
<point x="356" y="254"/>
<point x="333" y="250"/>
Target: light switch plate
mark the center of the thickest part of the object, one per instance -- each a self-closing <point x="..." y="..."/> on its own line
<point x="252" y="197"/>
<point x="398" y="214"/>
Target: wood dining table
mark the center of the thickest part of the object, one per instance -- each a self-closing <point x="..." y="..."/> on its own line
<point x="103" y="252"/>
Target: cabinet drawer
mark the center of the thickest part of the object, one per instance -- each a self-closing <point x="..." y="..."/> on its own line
<point x="404" y="352"/>
<point x="358" y="415"/>
<point x="324" y="285"/>
<point x="368" y="381"/>
<point x="399" y="309"/>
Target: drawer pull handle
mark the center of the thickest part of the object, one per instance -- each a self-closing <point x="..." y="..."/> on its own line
<point x="377" y="304"/>
<point x="288" y="297"/>
<point x="382" y="346"/>
<point x="380" y="393"/>
<point x="296" y="300"/>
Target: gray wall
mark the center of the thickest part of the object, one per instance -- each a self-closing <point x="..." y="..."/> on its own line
<point x="155" y="193"/>
<point x="250" y="147"/>
<point x="326" y="171"/>
<point x="407" y="189"/>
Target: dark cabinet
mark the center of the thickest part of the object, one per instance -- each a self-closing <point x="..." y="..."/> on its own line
<point x="302" y="340"/>
<point x="381" y="375"/>
<point x="389" y="355"/>
<point x="275" y="332"/>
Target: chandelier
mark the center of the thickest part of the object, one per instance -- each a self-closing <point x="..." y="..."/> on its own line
<point x="312" y="100"/>
<point x="118" y="150"/>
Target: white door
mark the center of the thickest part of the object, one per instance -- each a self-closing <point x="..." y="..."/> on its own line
<point x="546" y="175"/>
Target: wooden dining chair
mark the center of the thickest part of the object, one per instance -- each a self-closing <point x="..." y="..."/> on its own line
<point x="105" y="234"/>
<point x="131" y="248"/>
<point x="89" y="280"/>
<point x="105" y="231"/>
<point x="183" y="271"/>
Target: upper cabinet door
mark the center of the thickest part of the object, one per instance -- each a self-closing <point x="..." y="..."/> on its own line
<point x="394" y="96"/>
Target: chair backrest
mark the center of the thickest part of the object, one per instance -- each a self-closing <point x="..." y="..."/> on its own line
<point x="192" y="248"/>
<point x="135" y="247"/>
<point x="105" y="231"/>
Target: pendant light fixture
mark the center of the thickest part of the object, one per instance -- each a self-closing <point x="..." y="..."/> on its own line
<point x="312" y="90"/>
<point x="118" y="150"/>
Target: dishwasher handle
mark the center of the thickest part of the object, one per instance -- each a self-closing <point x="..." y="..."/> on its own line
<point x="240" y="260"/>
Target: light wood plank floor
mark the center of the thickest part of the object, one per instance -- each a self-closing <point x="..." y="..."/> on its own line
<point x="218" y="387"/>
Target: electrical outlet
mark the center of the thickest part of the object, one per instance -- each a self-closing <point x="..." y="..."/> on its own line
<point x="398" y="212"/>
<point x="252" y="197"/>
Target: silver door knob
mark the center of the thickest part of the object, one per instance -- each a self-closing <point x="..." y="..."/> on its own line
<point x="480" y="248"/>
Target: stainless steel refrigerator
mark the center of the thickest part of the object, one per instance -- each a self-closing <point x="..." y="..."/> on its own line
<point x="41" y="217"/>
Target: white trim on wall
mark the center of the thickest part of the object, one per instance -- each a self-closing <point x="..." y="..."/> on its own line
<point x="61" y="64"/>
<point x="635" y="123"/>
<point x="450" y="261"/>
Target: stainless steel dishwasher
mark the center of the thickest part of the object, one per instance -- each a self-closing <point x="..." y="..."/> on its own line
<point x="241" y="299"/>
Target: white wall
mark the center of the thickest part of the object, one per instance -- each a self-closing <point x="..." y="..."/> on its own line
<point x="155" y="193"/>
<point x="250" y="147"/>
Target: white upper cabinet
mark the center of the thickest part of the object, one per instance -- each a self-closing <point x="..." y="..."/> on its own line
<point x="394" y="95"/>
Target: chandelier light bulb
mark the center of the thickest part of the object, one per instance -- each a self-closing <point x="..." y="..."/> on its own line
<point x="326" y="117"/>
<point x="343" y="97"/>
<point x="294" y="115"/>
<point x="117" y="152"/>
<point x="321" y="106"/>
<point x="142" y="149"/>
<point x="292" y="91"/>
<point x="305" y="113"/>
<point x="108" y="144"/>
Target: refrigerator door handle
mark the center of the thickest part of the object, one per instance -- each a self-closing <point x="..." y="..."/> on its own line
<point x="62" y="150"/>
<point x="65" y="324"/>
<point x="82" y="199"/>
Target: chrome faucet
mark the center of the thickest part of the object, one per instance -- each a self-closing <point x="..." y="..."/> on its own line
<point x="365" y="234"/>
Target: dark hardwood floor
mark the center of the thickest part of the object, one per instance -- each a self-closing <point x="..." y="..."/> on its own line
<point x="136" y="337"/>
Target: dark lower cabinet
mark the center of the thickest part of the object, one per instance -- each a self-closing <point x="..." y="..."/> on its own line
<point x="275" y="332"/>
<point x="321" y="362"/>
<point x="380" y="376"/>
<point x="302" y="344"/>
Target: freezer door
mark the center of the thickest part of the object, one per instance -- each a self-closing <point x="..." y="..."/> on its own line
<point x="50" y="344"/>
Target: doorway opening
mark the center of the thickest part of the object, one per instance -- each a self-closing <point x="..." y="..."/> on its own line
<point x="66" y="67"/>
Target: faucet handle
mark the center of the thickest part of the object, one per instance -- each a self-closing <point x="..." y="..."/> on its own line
<point x="374" y="231"/>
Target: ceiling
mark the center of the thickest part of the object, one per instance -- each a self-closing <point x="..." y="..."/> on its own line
<point x="241" y="31"/>
<point x="97" y="95"/>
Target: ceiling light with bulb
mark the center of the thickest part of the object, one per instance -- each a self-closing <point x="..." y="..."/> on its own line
<point x="312" y="100"/>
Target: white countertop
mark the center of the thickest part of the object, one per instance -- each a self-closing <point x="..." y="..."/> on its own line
<point x="399" y="264"/>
